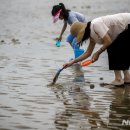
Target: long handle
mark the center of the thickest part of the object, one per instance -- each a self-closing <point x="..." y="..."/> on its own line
<point x="62" y="68"/>
<point x="57" y="75"/>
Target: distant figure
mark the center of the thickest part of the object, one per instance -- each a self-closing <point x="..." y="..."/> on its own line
<point x="60" y="12"/>
<point x="113" y="33"/>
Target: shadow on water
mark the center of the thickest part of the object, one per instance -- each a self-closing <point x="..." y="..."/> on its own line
<point x="78" y="113"/>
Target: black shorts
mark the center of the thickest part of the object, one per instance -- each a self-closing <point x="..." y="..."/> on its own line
<point x="119" y="51"/>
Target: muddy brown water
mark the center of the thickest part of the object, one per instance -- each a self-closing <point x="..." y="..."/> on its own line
<point x="29" y="60"/>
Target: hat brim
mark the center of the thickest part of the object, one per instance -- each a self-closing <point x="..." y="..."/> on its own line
<point x="56" y="16"/>
<point x="81" y="34"/>
<point x="55" y="19"/>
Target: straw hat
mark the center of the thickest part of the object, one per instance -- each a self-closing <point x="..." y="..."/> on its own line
<point x="77" y="30"/>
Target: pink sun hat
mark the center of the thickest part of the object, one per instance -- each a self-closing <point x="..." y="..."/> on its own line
<point x="56" y="16"/>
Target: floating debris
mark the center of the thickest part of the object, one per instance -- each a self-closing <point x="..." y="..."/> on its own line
<point x="101" y="78"/>
<point x="2" y="41"/>
<point x="92" y="86"/>
<point x="15" y="41"/>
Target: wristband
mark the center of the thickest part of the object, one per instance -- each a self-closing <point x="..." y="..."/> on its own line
<point x="102" y="49"/>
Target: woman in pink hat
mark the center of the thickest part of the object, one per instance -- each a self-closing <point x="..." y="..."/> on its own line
<point x="69" y="17"/>
<point x="112" y="32"/>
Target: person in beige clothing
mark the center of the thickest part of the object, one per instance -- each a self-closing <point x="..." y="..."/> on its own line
<point x="113" y="33"/>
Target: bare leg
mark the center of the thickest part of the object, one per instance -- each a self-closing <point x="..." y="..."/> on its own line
<point x="118" y="78"/>
<point x="126" y="76"/>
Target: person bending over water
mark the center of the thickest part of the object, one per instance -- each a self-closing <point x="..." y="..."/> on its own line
<point x="113" y="33"/>
<point x="69" y="17"/>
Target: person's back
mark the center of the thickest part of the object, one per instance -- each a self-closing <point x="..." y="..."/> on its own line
<point x="114" y="24"/>
<point x="76" y="16"/>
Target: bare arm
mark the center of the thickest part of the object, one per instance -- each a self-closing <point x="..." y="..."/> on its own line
<point x="106" y="43"/>
<point x="87" y="53"/>
<point x="84" y="56"/>
<point x="63" y="29"/>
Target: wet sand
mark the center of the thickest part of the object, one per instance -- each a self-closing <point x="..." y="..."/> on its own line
<point x="29" y="60"/>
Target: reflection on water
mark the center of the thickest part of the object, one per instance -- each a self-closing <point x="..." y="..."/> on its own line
<point x="86" y="109"/>
<point x="74" y="103"/>
<point x="78" y="73"/>
<point x="120" y="108"/>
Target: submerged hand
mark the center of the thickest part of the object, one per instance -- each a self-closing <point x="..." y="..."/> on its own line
<point x="95" y="56"/>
